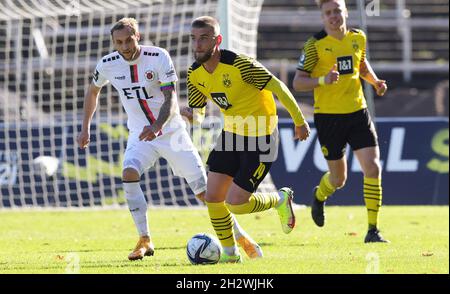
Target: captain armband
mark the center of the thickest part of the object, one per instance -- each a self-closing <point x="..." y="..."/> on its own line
<point x="167" y="86"/>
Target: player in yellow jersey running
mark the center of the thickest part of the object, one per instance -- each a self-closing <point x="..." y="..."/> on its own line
<point x="332" y="63"/>
<point x="153" y="122"/>
<point x="242" y="88"/>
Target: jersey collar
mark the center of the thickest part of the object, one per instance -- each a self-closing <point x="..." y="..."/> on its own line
<point x="337" y="40"/>
<point x="136" y="61"/>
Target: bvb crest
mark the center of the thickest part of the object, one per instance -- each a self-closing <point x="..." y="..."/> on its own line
<point x="226" y="81"/>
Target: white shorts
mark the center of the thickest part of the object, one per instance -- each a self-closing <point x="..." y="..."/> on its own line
<point x="176" y="148"/>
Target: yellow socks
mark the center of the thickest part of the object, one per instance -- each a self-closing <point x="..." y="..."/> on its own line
<point x="372" y="197"/>
<point x="256" y="203"/>
<point x="325" y="188"/>
<point x="222" y="223"/>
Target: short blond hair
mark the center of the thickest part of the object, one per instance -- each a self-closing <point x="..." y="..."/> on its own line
<point x="320" y="3"/>
<point x="207" y="22"/>
<point x="126" y="22"/>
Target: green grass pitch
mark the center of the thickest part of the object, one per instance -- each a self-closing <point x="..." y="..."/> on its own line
<point x="98" y="241"/>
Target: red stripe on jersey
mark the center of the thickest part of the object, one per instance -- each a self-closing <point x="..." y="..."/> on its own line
<point x="148" y="113"/>
<point x="134" y="73"/>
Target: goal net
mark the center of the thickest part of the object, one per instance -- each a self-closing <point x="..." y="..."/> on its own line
<point x="48" y="51"/>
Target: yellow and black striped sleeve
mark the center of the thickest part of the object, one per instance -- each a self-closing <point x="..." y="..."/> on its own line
<point x="362" y="34"/>
<point x="363" y="57"/>
<point x="252" y="72"/>
<point x="196" y="99"/>
<point x="309" y="57"/>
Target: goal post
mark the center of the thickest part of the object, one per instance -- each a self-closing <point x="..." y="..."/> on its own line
<point x="48" y="51"/>
<point x="239" y="20"/>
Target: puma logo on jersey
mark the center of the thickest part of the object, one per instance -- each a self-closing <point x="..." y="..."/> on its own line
<point x="203" y="85"/>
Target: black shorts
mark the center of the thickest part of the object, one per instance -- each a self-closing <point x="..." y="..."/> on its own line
<point x="246" y="159"/>
<point x="336" y="130"/>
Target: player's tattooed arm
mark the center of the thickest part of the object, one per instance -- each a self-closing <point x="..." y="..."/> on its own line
<point x="167" y="108"/>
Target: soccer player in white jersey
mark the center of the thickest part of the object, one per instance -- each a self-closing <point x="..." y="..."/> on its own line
<point x="145" y="78"/>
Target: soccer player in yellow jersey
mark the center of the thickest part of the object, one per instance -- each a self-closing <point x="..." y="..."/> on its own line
<point x="242" y="88"/>
<point x="332" y="63"/>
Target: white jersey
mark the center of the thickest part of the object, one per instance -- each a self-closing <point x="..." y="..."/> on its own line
<point x="138" y="83"/>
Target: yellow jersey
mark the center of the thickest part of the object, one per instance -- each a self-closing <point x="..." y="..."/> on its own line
<point x="319" y="55"/>
<point x="237" y="87"/>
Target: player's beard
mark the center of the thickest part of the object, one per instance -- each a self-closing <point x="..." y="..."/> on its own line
<point x="203" y="57"/>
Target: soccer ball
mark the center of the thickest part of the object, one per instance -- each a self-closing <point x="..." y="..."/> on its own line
<point x="203" y="249"/>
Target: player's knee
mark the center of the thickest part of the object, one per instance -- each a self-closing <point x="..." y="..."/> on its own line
<point x="373" y="170"/>
<point x="211" y="196"/>
<point x="338" y="181"/>
<point x="130" y="175"/>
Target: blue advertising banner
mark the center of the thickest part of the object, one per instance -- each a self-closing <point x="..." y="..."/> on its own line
<point x="414" y="155"/>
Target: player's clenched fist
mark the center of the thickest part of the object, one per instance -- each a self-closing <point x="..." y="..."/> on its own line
<point x="380" y="87"/>
<point x="83" y="139"/>
<point x="302" y="132"/>
<point x="149" y="133"/>
<point x="333" y="76"/>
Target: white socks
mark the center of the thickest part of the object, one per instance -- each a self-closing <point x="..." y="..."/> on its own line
<point x="138" y="207"/>
<point x="233" y="250"/>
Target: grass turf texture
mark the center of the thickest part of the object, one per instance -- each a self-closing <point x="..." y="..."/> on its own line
<point x="99" y="241"/>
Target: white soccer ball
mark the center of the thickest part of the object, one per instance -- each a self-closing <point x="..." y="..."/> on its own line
<point x="203" y="249"/>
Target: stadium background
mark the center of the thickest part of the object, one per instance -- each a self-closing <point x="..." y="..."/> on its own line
<point x="408" y="43"/>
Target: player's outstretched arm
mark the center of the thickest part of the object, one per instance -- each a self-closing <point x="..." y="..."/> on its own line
<point x="286" y="98"/>
<point x="368" y="74"/>
<point x="90" y="105"/>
